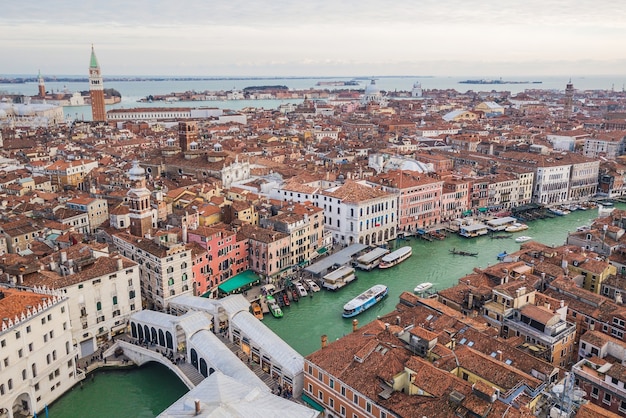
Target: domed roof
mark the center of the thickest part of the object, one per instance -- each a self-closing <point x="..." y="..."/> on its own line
<point x="136" y="172"/>
<point x="371" y="89"/>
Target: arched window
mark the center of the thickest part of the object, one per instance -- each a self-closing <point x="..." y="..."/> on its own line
<point x="154" y="336"/>
<point x="99" y="306"/>
<point x="203" y="368"/>
<point x="33" y="368"/>
<point x="170" y="341"/>
<point x="194" y="358"/>
<point x="114" y="300"/>
<point x="161" y="338"/>
<point x="133" y="330"/>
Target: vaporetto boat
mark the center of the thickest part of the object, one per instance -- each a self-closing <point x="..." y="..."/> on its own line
<point x="365" y="300"/>
<point x="395" y="257"/>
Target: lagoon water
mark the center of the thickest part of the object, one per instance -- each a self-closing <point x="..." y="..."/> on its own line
<point x="149" y="390"/>
<point x="132" y="91"/>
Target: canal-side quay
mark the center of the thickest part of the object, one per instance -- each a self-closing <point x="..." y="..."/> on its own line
<point x="305" y="321"/>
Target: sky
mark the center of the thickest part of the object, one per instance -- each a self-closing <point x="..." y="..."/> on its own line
<point x="314" y="38"/>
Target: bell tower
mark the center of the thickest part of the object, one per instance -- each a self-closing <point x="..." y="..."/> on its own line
<point x="140" y="210"/>
<point x="96" y="90"/>
<point x="42" y="85"/>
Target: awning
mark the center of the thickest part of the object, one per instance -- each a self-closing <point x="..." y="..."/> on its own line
<point x="322" y="250"/>
<point x="467" y="212"/>
<point x="312" y="403"/>
<point x="239" y="281"/>
<point x="482" y="209"/>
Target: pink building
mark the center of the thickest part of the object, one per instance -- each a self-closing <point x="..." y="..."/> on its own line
<point x="420" y="197"/>
<point x="455" y="199"/>
<point x="270" y="251"/>
<point x="226" y="256"/>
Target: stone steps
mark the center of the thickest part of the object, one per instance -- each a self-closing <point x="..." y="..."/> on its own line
<point x="192" y="374"/>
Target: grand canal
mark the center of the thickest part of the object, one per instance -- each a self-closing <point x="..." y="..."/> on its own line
<point x="147" y="391"/>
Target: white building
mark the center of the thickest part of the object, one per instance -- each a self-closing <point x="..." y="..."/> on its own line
<point x="37" y="355"/>
<point x="103" y="290"/>
<point x="355" y="212"/>
<point x="164" y="265"/>
<point x="551" y="182"/>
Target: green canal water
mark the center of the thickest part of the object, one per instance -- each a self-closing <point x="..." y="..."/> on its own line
<point x="142" y="392"/>
<point x="147" y="391"/>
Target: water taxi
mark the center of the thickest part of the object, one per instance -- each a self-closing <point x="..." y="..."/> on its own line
<point x="422" y="287"/>
<point x="313" y="287"/>
<point x="523" y="238"/>
<point x="516" y="227"/>
<point x="365" y="300"/>
<point x="371" y="259"/>
<point x="300" y="289"/>
<point x="274" y="308"/>
<point x="337" y="279"/>
<point x="257" y="311"/>
<point x="395" y="257"/>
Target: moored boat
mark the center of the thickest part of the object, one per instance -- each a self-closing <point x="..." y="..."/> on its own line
<point x="365" y="300"/>
<point x="274" y="308"/>
<point x="523" y="238"/>
<point x="516" y="227"/>
<point x="294" y="295"/>
<point x="300" y="289"/>
<point x="395" y="257"/>
<point x="422" y="287"/>
<point x="257" y="311"/>
<point x="313" y="287"/>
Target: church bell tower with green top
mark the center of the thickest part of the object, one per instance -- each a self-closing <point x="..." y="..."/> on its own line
<point x="96" y="90"/>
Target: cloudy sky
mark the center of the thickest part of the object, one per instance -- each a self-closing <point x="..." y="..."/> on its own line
<point x="315" y="38"/>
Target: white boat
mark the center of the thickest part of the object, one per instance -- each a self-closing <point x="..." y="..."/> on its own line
<point x="300" y="289"/>
<point x="422" y="287"/>
<point x="337" y="279"/>
<point x="365" y="300"/>
<point x="313" y="287"/>
<point x="523" y="238"/>
<point x="516" y="227"/>
<point x="395" y="257"/>
<point x="371" y="259"/>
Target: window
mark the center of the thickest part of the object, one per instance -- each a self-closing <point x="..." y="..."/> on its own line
<point x="320" y="395"/>
<point x="28" y="329"/>
<point x="356" y="399"/>
<point x="331" y="402"/>
<point x="99" y="306"/>
<point x="114" y="300"/>
<point x="319" y="375"/>
<point x="594" y="392"/>
<point x="607" y="398"/>
<point x="17" y="335"/>
<point x="342" y="410"/>
<point x="622" y="406"/>
<point x="368" y="407"/>
<point x="331" y="383"/>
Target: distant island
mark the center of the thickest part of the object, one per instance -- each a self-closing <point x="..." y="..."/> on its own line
<point x="338" y="83"/>
<point x="483" y="81"/>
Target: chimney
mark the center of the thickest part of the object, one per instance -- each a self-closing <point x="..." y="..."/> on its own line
<point x="499" y="355"/>
<point x="63" y="257"/>
<point x="324" y="340"/>
<point x="398" y="320"/>
<point x="355" y="324"/>
<point x="562" y="303"/>
<point x="120" y="263"/>
<point x="197" y="403"/>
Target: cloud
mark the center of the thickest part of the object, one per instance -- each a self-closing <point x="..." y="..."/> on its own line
<point x="142" y="36"/>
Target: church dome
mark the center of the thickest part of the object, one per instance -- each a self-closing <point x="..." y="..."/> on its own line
<point x="136" y="172"/>
<point x="371" y="89"/>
